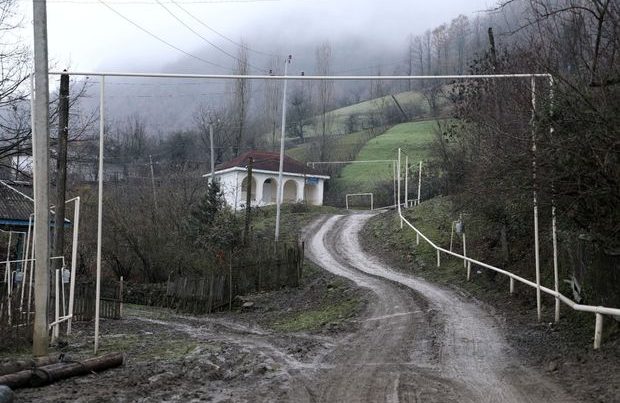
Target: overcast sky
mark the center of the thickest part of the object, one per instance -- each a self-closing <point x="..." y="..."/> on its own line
<point x="86" y="35"/>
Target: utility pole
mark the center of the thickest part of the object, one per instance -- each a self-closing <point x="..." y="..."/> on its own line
<point x="153" y="182"/>
<point x="280" y="186"/>
<point x="40" y="140"/>
<point x="248" y="202"/>
<point x="61" y="170"/>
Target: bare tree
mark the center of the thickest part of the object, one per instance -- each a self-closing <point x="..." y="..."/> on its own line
<point x="241" y="98"/>
<point x="272" y="104"/>
<point x="325" y="94"/>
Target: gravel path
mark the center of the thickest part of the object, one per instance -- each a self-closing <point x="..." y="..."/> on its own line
<point x="420" y="342"/>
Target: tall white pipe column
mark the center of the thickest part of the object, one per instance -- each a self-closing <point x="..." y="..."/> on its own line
<point x="40" y="145"/>
<point x="535" y="200"/>
<point x="556" y="275"/>
<point x="283" y="134"/>
<point x="398" y="192"/>
<point x="76" y="231"/>
<point x="99" y="209"/>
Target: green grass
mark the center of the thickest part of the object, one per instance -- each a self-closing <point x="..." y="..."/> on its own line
<point x="317" y="318"/>
<point x="292" y="219"/>
<point x="339" y="117"/>
<point x="413" y="138"/>
<point x="340" y="147"/>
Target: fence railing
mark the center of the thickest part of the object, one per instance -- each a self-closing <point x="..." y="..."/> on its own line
<point x="264" y="267"/>
<point x="599" y="311"/>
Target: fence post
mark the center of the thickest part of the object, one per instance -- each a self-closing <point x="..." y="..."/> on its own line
<point x="468" y="270"/>
<point x="438" y="259"/>
<point x="464" y="251"/>
<point x="598" y="331"/>
<point x="512" y="285"/>
<point x="120" y="306"/>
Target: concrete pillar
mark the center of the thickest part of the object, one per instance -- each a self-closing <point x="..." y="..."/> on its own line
<point x="300" y="189"/>
<point x="260" y="179"/>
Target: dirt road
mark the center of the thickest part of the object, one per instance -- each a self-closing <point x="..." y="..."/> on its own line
<point x="420" y="342"/>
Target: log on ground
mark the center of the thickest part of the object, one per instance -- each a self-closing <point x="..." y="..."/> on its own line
<point x="51" y="373"/>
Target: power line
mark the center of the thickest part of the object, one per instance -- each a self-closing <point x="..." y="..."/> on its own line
<point x="205" y="39"/>
<point x="220" y="34"/>
<point x="150" y="3"/>
<point x="160" y="39"/>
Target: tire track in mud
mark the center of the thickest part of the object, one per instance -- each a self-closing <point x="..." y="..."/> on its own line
<point x="420" y="342"/>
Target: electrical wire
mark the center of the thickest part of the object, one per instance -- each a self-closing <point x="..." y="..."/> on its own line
<point x="150" y="3"/>
<point x="176" y="3"/>
<point x="160" y="39"/>
<point x="205" y="39"/>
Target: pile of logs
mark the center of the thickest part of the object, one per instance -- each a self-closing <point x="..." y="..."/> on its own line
<point x="39" y="372"/>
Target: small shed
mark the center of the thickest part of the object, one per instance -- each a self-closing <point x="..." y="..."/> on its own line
<point x="301" y="183"/>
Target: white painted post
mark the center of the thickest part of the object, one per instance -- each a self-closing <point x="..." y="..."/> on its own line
<point x="394" y="180"/>
<point x="55" y="331"/>
<point x="419" y="181"/>
<point x="598" y="331"/>
<point x="74" y="247"/>
<point x="556" y="279"/>
<point x="398" y="193"/>
<point x="438" y="259"/>
<point x="30" y="281"/>
<point x="406" y="181"/>
<point x="468" y="270"/>
<point x="512" y="285"/>
<point x="417" y="238"/>
<point x="283" y="134"/>
<point x="212" y="152"/>
<point x="7" y="274"/>
<point x="99" y="210"/>
<point x="25" y="265"/>
<point x="535" y="200"/>
<point x="346" y="201"/>
<point x="464" y="250"/>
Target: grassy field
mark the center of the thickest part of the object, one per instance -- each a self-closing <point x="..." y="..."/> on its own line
<point x="340" y="147"/>
<point x="411" y="101"/>
<point x="413" y="138"/>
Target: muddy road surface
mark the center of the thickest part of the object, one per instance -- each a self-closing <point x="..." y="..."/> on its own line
<point x="418" y="342"/>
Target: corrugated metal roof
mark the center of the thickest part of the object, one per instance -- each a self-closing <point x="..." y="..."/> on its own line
<point x="14" y="206"/>
<point x="268" y="161"/>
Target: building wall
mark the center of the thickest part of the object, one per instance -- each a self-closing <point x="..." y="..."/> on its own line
<point x="295" y="189"/>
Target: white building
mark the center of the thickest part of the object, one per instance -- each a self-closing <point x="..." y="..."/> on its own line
<point x="301" y="183"/>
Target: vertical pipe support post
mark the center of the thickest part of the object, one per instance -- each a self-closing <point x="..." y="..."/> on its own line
<point x="99" y="210"/>
<point x="598" y="331"/>
<point x="283" y="134"/>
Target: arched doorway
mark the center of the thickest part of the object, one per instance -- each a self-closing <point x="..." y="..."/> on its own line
<point x="244" y="190"/>
<point x="270" y="190"/>
<point x="290" y="191"/>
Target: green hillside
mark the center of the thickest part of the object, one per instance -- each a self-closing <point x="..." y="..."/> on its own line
<point x="413" y="138"/>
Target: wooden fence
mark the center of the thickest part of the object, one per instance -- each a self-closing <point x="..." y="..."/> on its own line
<point x="262" y="267"/>
<point x="110" y="302"/>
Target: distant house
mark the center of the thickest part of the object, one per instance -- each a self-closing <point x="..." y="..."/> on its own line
<point x="301" y="183"/>
<point x="17" y="206"/>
